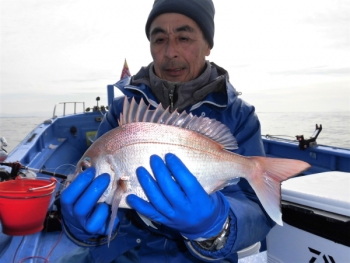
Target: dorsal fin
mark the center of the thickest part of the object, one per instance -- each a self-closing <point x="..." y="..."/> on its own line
<point x="213" y="129"/>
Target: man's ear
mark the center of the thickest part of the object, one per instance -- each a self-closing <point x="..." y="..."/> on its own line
<point x="207" y="53"/>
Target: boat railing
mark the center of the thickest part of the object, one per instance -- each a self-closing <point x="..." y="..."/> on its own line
<point x="284" y="138"/>
<point x="65" y="107"/>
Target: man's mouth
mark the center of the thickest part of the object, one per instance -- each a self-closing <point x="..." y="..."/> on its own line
<point x="174" y="71"/>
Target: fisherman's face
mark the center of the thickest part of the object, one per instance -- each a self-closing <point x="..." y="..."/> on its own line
<point x="178" y="47"/>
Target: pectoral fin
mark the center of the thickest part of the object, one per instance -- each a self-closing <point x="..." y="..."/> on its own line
<point x="117" y="197"/>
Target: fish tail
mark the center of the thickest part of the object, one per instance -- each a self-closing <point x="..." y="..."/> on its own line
<point x="115" y="205"/>
<point x="266" y="181"/>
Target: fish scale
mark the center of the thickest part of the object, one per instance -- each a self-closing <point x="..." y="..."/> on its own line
<point x="140" y="141"/>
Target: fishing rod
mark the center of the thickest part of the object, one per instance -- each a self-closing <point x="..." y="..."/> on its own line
<point x="16" y="166"/>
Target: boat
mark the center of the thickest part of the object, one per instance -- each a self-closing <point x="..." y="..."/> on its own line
<point x="54" y="147"/>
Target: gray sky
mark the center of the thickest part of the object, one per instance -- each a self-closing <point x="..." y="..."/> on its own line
<point x="282" y="55"/>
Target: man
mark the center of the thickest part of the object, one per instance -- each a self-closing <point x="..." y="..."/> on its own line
<point x="196" y="227"/>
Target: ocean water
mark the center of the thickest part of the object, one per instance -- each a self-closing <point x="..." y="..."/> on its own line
<point x="15" y="129"/>
<point x="335" y="127"/>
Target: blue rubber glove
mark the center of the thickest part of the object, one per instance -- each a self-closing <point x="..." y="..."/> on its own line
<point x="82" y="215"/>
<point x="181" y="204"/>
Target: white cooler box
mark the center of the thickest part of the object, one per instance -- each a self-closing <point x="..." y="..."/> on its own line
<point x="316" y="220"/>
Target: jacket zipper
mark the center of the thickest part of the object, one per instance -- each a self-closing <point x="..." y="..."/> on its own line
<point x="171" y="97"/>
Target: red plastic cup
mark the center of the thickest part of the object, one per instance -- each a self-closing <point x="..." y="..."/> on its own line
<point x="23" y="205"/>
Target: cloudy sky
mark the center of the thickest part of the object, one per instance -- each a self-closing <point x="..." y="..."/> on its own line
<point x="282" y="55"/>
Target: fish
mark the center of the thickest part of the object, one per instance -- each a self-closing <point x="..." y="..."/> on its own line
<point x="204" y="145"/>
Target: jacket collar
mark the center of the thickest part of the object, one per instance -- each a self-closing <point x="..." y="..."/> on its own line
<point x="218" y="98"/>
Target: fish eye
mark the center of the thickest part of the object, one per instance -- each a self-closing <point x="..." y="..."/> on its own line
<point x="85" y="163"/>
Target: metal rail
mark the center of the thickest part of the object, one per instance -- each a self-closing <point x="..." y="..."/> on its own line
<point x="64" y="107"/>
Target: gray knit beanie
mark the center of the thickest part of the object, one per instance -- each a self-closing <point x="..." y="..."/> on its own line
<point x="200" y="11"/>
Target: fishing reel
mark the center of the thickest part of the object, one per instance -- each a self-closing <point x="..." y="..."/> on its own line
<point x="17" y="169"/>
<point x="306" y="143"/>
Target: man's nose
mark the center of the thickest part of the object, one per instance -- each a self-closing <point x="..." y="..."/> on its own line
<point x="171" y="49"/>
